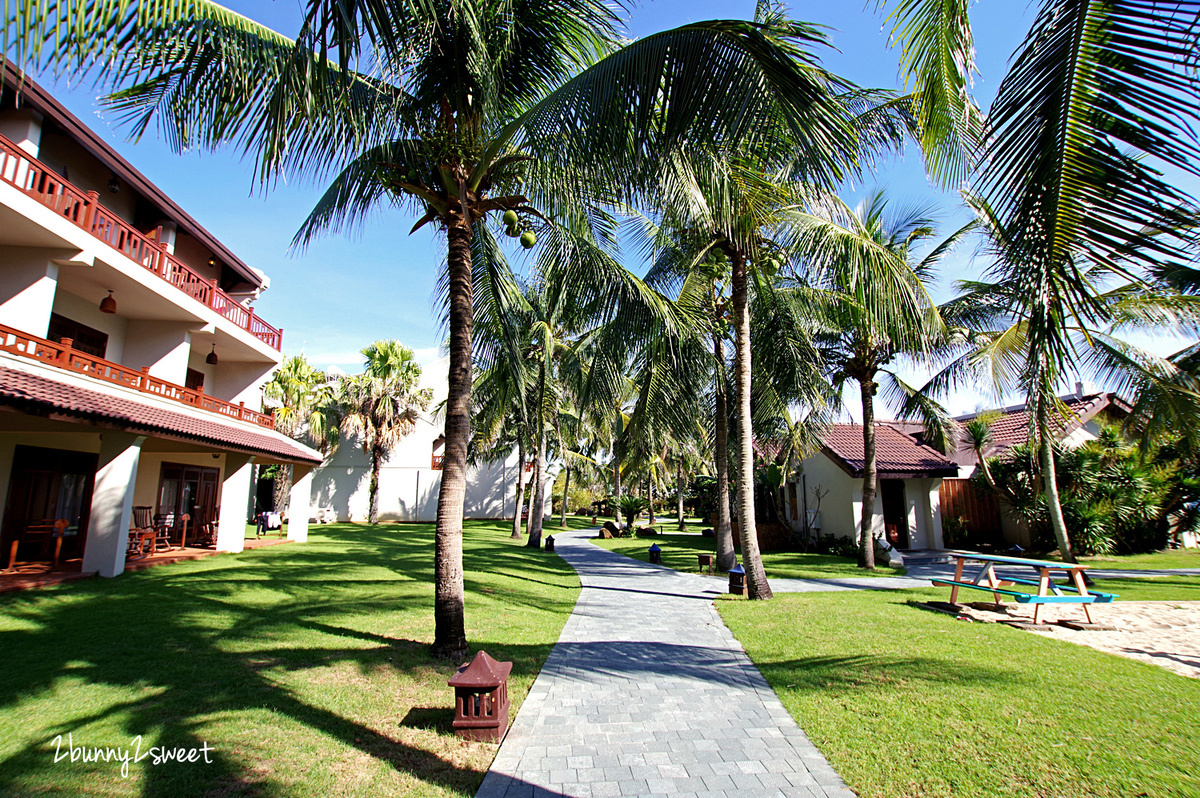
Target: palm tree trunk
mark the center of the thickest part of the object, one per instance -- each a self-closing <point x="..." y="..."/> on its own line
<point x="373" y="487"/>
<point x="866" y="533"/>
<point x="539" y="497"/>
<point x="1050" y="482"/>
<point x="756" y="576"/>
<point x="532" y="498"/>
<point x="726" y="557"/>
<point x="679" y="494"/>
<point x="281" y="492"/>
<point x="562" y="519"/>
<point x="449" y="637"/>
<point x="519" y="499"/>
<point x="650" y="499"/>
<point x="617" y="493"/>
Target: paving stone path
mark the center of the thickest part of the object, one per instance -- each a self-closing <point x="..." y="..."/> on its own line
<point x="648" y="693"/>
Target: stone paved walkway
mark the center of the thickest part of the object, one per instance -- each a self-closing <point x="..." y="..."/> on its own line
<point x="648" y="693"/>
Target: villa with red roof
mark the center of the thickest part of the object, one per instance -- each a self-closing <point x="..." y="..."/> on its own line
<point x="131" y="358"/>
<point x="827" y="490"/>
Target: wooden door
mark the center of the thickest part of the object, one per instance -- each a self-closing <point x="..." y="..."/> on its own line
<point x="48" y="484"/>
<point x="895" y="512"/>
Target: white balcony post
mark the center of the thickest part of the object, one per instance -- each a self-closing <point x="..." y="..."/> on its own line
<point x="299" y="503"/>
<point x="112" y="503"/>
<point x="235" y="487"/>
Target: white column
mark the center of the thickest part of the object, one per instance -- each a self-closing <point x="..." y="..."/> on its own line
<point x="112" y="503"/>
<point x="935" y="515"/>
<point x="235" y="487"/>
<point x="299" y="503"/>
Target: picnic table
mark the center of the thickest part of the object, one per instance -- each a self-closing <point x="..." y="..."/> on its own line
<point x="1048" y="592"/>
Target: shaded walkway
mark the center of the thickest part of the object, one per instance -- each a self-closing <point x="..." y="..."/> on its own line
<point x="648" y="693"/>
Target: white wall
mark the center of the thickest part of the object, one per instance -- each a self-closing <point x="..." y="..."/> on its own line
<point x="28" y="281"/>
<point x="85" y="312"/>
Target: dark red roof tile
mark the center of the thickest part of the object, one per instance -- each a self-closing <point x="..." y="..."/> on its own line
<point x="25" y="390"/>
<point x="895" y="451"/>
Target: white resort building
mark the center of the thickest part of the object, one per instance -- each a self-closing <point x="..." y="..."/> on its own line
<point x="131" y="358"/>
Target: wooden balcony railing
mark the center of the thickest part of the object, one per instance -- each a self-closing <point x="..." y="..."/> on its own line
<point x="62" y="355"/>
<point x="438" y="461"/>
<point x="84" y="210"/>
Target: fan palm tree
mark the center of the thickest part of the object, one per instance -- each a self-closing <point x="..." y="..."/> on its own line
<point x="382" y="405"/>
<point x="874" y="303"/>
<point x="303" y="401"/>
<point x="1100" y="97"/>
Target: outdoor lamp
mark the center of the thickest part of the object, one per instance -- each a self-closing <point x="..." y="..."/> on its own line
<point x="212" y="356"/>
<point x="108" y="304"/>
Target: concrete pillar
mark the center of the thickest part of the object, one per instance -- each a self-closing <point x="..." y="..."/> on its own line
<point x="27" y="289"/>
<point x="23" y="127"/>
<point x="235" y="486"/>
<point x="163" y="346"/>
<point x="112" y="503"/>
<point x="8" y="450"/>
<point x="936" y="541"/>
<point x="299" y="503"/>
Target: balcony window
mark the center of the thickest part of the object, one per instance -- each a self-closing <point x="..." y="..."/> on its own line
<point x="86" y="339"/>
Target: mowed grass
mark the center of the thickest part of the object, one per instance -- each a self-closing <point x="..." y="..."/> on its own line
<point x="679" y="552"/>
<point x="908" y="703"/>
<point x="305" y="667"/>
<point x="1176" y="558"/>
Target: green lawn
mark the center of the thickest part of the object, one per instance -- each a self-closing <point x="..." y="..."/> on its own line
<point x="908" y="703"/>
<point x="1177" y="558"/>
<point x="679" y="552"/>
<point x="305" y="667"/>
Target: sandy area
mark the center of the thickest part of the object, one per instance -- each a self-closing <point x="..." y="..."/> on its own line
<point x="1165" y="633"/>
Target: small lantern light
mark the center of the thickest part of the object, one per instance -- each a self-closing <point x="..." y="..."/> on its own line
<point x="550" y="543"/>
<point x="737" y="580"/>
<point x="212" y="356"/>
<point x="481" y="699"/>
<point x="114" y="185"/>
<point x="706" y="561"/>
<point x="108" y="304"/>
<point x="655" y="554"/>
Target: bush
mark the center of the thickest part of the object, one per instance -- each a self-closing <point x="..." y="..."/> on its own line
<point x="837" y="546"/>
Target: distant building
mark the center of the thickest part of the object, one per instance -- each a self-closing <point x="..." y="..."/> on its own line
<point x="411" y="479"/>
<point x="131" y="358"/>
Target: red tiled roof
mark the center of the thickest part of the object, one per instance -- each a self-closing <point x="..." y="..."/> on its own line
<point x="1011" y="426"/>
<point x="895" y="452"/>
<point x="32" y="391"/>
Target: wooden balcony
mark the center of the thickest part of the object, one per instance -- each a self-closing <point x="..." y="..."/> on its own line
<point x="438" y="461"/>
<point x="62" y="356"/>
<point x="83" y="209"/>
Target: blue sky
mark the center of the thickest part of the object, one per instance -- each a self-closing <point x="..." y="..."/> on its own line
<point x="341" y="293"/>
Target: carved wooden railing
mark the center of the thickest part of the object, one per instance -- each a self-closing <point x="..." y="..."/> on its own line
<point x="438" y="461"/>
<point x="84" y="210"/>
<point x="62" y="355"/>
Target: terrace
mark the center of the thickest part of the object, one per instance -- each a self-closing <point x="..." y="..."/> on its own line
<point x="83" y="209"/>
<point x="63" y="356"/>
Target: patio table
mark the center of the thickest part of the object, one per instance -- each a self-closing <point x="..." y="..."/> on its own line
<point x="1048" y="592"/>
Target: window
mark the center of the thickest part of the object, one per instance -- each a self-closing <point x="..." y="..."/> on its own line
<point x="194" y="380"/>
<point x="84" y="338"/>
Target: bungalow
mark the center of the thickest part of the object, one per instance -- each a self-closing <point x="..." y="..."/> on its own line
<point x="976" y="507"/>
<point x="825" y="495"/>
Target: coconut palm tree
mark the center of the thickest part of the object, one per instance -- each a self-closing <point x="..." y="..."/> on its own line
<point x="1099" y="98"/>
<point x="304" y="403"/>
<point x="874" y="303"/>
<point x="456" y="110"/>
<point x="382" y="405"/>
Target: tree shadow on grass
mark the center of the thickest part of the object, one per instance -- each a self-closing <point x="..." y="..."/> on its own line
<point x="179" y="654"/>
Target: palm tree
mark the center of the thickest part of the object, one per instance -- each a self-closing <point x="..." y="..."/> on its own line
<point x="457" y="110"/>
<point x="383" y="405"/>
<point x="874" y="303"/>
<point x="303" y="401"/>
<point x="1099" y="96"/>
